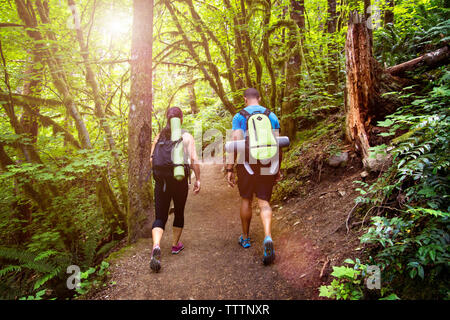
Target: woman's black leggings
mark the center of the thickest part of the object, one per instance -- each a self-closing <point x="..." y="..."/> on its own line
<point x="173" y="189"/>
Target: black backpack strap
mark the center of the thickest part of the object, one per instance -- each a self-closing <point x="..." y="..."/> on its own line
<point x="187" y="172"/>
<point x="247" y="150"/>
<point x="178" y="141"/>
<point x="245" y="114"/>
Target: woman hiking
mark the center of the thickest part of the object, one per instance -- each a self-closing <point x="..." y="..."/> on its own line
<point x="168" y="188"/>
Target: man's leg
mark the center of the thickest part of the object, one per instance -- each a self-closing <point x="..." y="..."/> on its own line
<point x="246" y="192"/>
<point x="246" y="216"/>
<point x="266" y="216"/>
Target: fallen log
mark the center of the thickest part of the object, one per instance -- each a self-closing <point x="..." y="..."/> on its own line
<point x="429" y="60"/>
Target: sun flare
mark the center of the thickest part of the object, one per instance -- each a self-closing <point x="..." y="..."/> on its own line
<point x="116" y="24"/>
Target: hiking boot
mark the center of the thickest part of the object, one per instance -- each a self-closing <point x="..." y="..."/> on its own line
<point x="244" y="242"/>
<point x="155" y="261"/>
<point x="269" y="252"/>
<point x="176" y="249"/>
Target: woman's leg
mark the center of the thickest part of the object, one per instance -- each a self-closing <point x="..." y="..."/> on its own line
<point x="179" y="201"/>
<point x="176" y="235"/>
<point x="162" y="203"/>
<point x="157" y="234"/>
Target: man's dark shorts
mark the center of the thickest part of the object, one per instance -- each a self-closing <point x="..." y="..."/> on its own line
<point x="260" y="185"/>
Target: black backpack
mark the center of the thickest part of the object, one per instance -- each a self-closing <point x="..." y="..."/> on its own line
<point x="162" y="164"/>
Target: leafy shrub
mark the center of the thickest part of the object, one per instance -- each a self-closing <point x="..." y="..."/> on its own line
<point x="412" y="238"/>
<point x="38" y="245"/>
<point x="349" y="283"/>
<point x="93" y="278"/>
<point x="403" y="41"/>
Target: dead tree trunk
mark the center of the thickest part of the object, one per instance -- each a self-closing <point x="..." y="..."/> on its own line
<point x="139" y="122"/>
<point x="366" y="82"/>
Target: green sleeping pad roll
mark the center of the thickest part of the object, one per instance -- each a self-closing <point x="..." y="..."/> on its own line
<point x="178" y="152"/>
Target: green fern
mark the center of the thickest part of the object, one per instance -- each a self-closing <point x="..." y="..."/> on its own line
<point x="47" y="277"/>
<point x="10" y="269"/>
<point x="44" y="266"/>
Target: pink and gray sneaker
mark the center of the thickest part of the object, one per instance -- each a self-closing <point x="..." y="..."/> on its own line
<point x="176" y="249"/>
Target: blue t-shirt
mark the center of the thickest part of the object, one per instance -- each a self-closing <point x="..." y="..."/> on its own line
<point x="239" y="121"/>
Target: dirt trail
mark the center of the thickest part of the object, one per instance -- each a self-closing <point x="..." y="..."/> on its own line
<point x="213" y="265"/>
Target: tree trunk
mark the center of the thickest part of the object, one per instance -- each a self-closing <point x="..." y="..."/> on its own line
<point x="241" y="64"/>
<point x="31" y="87"/>
<point x="140" y="122"/>
<point x="389" y="13"/>
<point x="191" y="93"/>
<point x="333" y="57"/>
<point x="366" y="82"/>
<point x="292" y="71"/>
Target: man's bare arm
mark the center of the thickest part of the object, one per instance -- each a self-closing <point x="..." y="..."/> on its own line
<point x="235" y="135"/>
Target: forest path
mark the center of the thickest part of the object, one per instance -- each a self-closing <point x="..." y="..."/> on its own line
<point x="213" y="265"/>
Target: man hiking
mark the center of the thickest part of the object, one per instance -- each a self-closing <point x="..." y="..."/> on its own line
<point x="258" y="182"/>
<point x="167" y="186"/>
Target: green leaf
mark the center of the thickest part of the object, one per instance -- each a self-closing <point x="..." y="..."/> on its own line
<point x="326" y="291"/>
<point x="350" y="261"/>
<point x="385" y="123"/>
<point x="392" y="296"/>
<point x="344" y="272"/>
